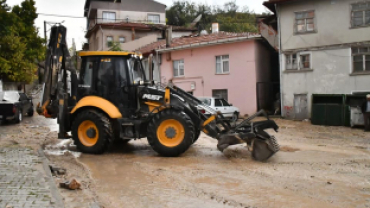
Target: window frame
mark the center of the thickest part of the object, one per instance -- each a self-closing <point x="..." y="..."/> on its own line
<point x="222" y="64"/>
<point x="352" y="11"/>
<point x="105" y="20"/>
<point x="296" y="32"/>
<point x="363" y="54"/>
<point x="152" y="15"/>
<point x="179" y="62"/>
<point x="222" y="92"/>
<point x="298" y="57"/>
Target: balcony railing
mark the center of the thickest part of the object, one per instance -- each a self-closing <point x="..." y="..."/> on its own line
<point x="93" y="22"/>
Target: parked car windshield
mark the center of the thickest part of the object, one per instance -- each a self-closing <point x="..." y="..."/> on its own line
<point x="206" y="101"/>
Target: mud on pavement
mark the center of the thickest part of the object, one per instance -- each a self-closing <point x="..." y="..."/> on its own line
<point x="316" y="167"/>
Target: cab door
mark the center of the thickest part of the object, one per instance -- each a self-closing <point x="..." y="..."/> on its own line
<point x="86" y="81"/>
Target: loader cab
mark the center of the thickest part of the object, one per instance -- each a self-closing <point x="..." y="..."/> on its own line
<point x="112" y="76"/>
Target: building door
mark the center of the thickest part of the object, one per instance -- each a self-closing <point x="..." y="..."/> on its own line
<point x="220" y="94"/>
<point x="300" y="107"/>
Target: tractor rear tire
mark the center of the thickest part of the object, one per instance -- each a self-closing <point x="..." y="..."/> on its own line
<point x="92" y="132"/>
<point x="170" y="133"/>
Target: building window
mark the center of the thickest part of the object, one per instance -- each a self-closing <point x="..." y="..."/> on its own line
<point x="178" y="68"/>
<point x="122" y="39"/>
<point x="109" y="41"/>
<point x="361" y="59"/>
<point x="222" y="64"/>
<point x="220" y="94"/>
<point x="153" y="18"/>
<point x="298" y="61"/>
<point x="291" y="61"/>
<point x="305" y="22"/>
<point x="109" y="16"/>
<point x="360" y="14"/>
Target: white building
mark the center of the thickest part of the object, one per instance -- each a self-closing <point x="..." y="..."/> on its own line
<point x="324" y="48"/>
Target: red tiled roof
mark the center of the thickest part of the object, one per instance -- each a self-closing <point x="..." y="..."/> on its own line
<point x="189" y="40"/>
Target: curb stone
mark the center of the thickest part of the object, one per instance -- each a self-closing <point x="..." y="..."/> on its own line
<point x="53" y="188"/>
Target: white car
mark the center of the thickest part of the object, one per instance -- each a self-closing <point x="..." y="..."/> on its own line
<point x="220" y="104"/>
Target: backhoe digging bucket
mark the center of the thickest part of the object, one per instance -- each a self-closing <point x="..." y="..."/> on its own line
<point x="264" y="149"/>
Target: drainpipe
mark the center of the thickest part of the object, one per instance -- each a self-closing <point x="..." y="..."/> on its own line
<point x="280" y="60"/>
<point x="102" y="38"/>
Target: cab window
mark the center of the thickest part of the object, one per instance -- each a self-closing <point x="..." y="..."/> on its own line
<point x="136" y="70"/>
<point x="86" y="73"/>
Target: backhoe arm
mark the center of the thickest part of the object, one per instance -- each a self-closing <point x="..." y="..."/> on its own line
<point x="58" y="68"/>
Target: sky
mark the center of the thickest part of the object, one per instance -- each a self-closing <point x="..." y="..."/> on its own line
<point x="76" y="27"/>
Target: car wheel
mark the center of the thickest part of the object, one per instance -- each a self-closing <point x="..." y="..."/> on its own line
<point x="19" y="116"/>
<point x="235" y="116"/>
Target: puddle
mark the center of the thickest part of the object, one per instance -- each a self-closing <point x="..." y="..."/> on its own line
<point x="61" y="148"/>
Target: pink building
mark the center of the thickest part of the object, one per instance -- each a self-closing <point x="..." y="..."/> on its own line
<point x="221" y="64"/>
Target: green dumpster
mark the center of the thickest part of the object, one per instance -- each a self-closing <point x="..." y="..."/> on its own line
<point x="328" y="109"/>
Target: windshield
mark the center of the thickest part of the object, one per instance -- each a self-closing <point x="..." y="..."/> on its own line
<point x="206" y="101"/>
<point x="136" y="70"/>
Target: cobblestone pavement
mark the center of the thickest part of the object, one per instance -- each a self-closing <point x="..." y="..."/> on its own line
<point x="24" y="181"/>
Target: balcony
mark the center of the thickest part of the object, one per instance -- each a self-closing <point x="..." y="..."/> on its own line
<point x="270" y="34"/>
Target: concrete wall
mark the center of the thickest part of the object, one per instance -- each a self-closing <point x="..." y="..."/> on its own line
<point x="136" y="44"/>
<point x="263" y="64"/>
<point x="333" y="24"/>
<point x="200" y="71"/>
<point x="330" y="49"/>
<point x="130" y="5"/>
<point x="98" y="40"/>
<point x="330" y="75"/>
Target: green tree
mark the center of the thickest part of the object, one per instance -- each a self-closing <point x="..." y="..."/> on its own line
<point x="20" y="47"/>
<point x="114" y="46"/>
<point x="229" y="16"/>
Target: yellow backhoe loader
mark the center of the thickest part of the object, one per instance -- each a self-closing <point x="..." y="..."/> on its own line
<point x="112" y="99"/>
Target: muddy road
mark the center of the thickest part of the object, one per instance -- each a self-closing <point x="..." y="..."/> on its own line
<point x="316" y="167"/>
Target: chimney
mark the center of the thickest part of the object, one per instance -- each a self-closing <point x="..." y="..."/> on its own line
<point x="214" y="28"/>
<point x="168" y="37"/>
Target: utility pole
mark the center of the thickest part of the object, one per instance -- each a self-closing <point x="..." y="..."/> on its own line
<point x="46" y="39"/>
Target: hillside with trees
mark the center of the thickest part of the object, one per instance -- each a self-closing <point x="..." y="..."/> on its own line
<point x="231" y="17"/>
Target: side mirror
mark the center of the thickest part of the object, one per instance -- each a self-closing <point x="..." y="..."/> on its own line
<point x="231" y="104"/>
<point x="150" y="67"/>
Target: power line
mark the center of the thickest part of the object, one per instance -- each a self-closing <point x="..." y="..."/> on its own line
<point x="59" y="15"/>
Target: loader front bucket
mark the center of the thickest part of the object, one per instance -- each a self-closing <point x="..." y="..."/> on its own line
<point x="262" y="145"/>
<point x="264" y="149"/>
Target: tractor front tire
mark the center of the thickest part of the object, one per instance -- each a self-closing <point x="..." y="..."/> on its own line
<point x="170" y="133"/>
<point x="92" y="132"/>
<point x="196" y="136"/>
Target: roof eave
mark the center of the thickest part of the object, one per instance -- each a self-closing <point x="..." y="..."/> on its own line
<point x="209" y="43"/>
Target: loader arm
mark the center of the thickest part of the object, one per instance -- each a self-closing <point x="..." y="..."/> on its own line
<point x="262" y="145"/>
<point x="59" y="80"/>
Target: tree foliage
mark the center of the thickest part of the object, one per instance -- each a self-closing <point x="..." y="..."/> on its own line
<point x="20" y="46"/>
<point x="231" y="17"/>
